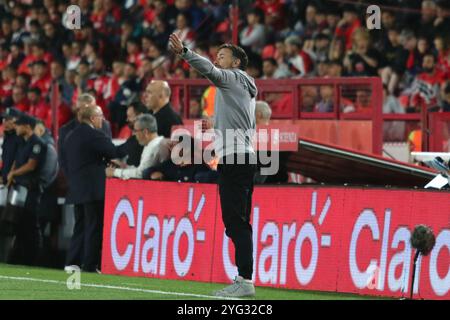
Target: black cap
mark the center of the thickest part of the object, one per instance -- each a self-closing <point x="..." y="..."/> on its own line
<point x="25" y="119"/>
<point x="11" y="113"/>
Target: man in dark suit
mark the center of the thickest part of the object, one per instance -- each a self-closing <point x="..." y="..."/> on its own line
<point x="157" y="100"/>
<point x="84" y="100"/>
<point x="85" y="159"/>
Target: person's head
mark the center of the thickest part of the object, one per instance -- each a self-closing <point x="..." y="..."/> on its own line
<point x="84" y="100"/>
<point x="423" y="45"/>
<point x="49" y="30"/>
<point x="333" y="17"/>
<point x="157" y="94"/>
<point x="25" y="126"/>
<point x="230" y="56"/>
<point x="56" y="70"/>
<point x="130" y="70"/>
<point x="321" y="41"/>
<point x="40" y="68"/>
<point x="9" y="73"/>
<point x="440" y="43"/>
<point x="387" y="19"/>
<point x="269" y="67"/>
<point x="38" y="49"/>
<point x="145" y="128"/>
<point x="310" y="14"/>
<point x="23" y="80"/>
<point x="326" y="93"/>
<point x="394" y="36"/>
<point x="18" y="94"/>
<point x="92" y="115"/>
<point x="132" y="46"/>
<point x="363" y="97"/>
<point x="4" y="51"/>
<point x="83" y="68"/>
<point x="428" y="10"/>
<point x="320" y="18"/>
<point x="253" y="70"/>
<point x="183" y="5"/>
<point x="39" y="128"/>
<point x="254" y="17"/>
<point x="9" y="118"/>
<point x="154" y="51"/>
<point x="428" y="63"/>
<point x="183" y="20"/>
<point x="322" y="68"/>
<point x="408" y="39"/>
<point x="118" y="67"/>
<point x="350" y="13"/>
<point x="263" y="112"/>
<point x="16" y="49"/>
<point x="293" y="45"/>
<point x="34" y="95"/>
<point x="133" y="111"/>
<point x="99" y="65"/>
<point x="447" y="92"/>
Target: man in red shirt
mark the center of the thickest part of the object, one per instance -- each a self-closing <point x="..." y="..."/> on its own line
<point x="40" y="77"/>
<point x="38" y="107"/>
<point x="19" y="99"/>
<point x="348" y="24"/>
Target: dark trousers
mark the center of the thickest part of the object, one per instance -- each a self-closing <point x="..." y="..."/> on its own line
<point x="86" y="243"/>
<point x="25" y="239"/>
<point x="236" y="190"/>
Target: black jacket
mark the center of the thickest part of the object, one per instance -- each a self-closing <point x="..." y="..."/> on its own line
<point x="166" y="117"/>
<point x="133" y="150"/>
<point x="63" y="133"/>
<point x="85" y="163"/>
<point x="10" y="147"/>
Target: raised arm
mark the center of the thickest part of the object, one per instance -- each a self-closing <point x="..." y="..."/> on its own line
<point x="219" y="77"/>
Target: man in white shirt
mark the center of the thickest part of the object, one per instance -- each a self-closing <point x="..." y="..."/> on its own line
<point x="156" y="149"/>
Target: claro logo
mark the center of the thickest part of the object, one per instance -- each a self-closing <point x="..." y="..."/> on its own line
<point x="156" y="235"/>
<point x="380" y="269"/>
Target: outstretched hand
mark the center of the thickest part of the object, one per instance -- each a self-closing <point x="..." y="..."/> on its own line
<point x="175" y="44"/>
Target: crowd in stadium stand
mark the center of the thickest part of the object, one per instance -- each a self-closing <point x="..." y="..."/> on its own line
<point x="122" y="45"/>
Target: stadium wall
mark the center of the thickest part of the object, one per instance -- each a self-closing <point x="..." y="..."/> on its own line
<point x="341" y="239"/>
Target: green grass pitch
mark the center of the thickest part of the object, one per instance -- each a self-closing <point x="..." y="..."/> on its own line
<point x="30" y="283"/>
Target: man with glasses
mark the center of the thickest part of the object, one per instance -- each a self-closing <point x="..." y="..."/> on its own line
<point x="156" y="149"/>
<point x="85" y="158"/>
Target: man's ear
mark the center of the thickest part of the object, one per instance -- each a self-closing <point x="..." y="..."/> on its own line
<point x="236" y="63"/>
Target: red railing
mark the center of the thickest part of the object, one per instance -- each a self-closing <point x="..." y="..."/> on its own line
<point x="296" y="106"/>
<point x="295" y="91"/>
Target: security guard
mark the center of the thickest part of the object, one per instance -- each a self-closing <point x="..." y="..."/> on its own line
<point x="25" y="173"/>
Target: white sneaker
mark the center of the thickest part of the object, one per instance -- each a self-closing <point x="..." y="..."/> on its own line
<point x="72" y="268"/>
<point x="240" y="288"/>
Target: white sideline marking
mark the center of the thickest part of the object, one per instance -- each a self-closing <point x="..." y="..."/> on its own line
<point x="121" y="288"/>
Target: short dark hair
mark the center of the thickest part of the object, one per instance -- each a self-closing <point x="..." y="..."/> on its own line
<point x="271" y="60"/>
<point x="237" y="53"/>
<point x="138" y="107"/>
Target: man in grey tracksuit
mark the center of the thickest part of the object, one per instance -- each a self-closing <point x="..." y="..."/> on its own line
<point x="234" y="124"/>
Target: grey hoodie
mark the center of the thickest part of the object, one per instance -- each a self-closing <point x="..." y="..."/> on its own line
<point x="234" y="104"/>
